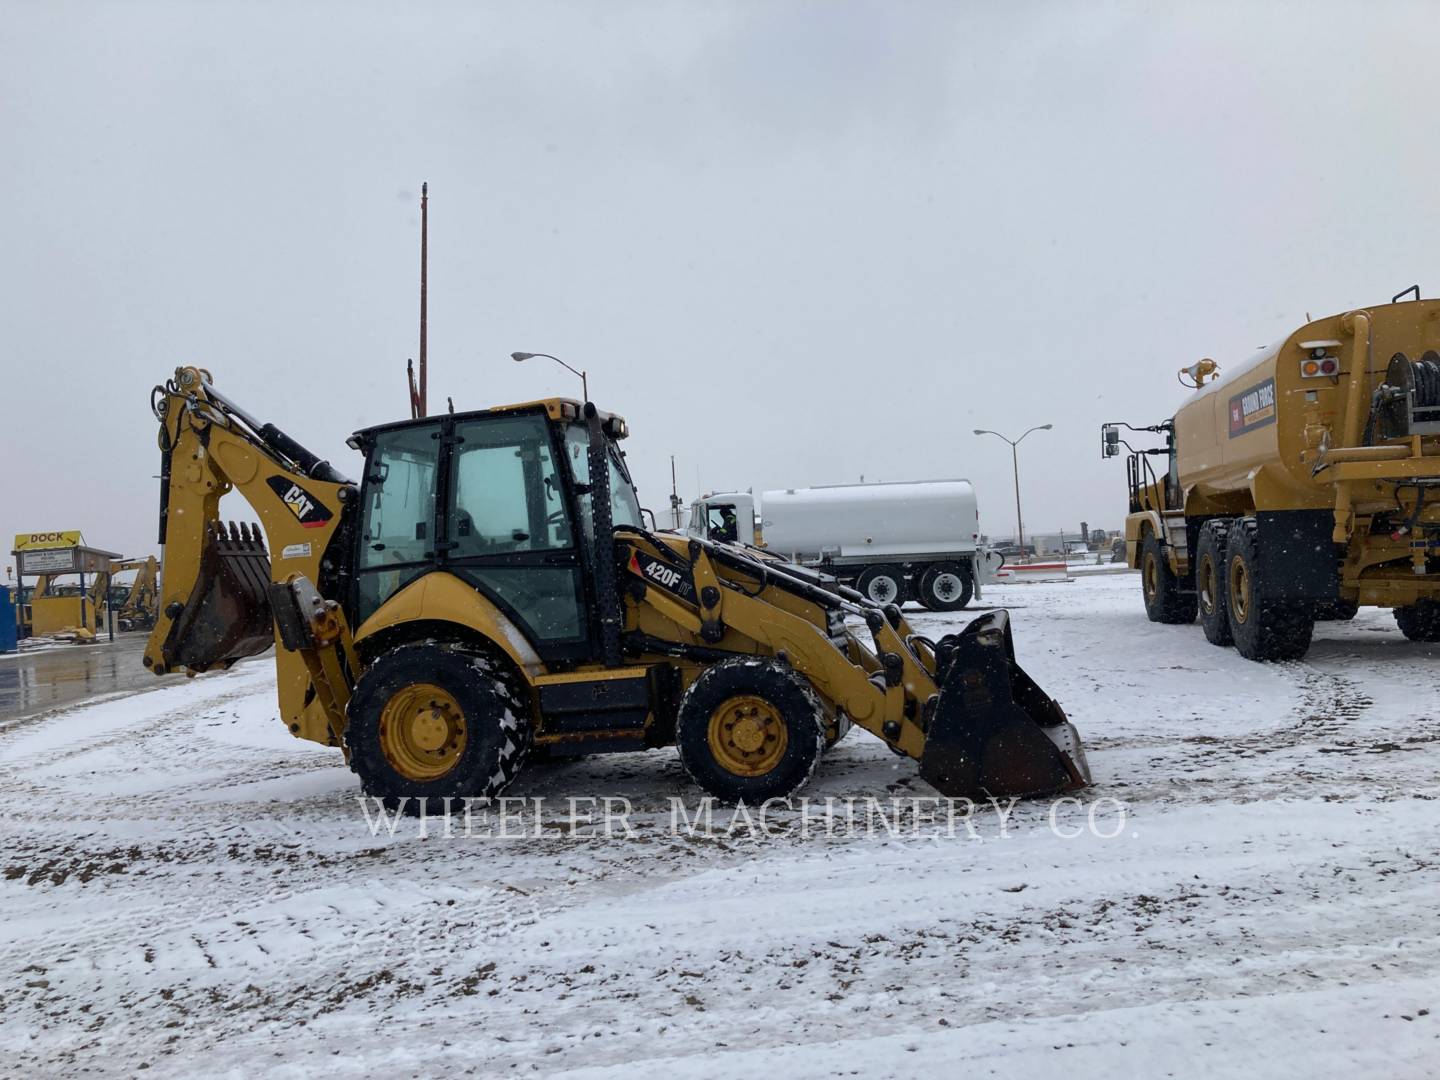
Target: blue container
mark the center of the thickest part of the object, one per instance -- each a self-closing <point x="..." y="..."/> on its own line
<point x="8" y="630"/>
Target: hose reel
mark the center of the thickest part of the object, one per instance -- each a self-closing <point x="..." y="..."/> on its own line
<point x="1408" y="402"/>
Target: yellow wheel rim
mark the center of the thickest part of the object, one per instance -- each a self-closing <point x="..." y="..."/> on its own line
<point x="422" y="732"/>
<point x="747" y="735"/>
<point x="1205" y="580"/>
<point x="1150" y="576"/>
<point x="1239" y="589"/>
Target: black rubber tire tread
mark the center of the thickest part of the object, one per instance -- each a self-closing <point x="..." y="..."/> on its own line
<point x="862" y="583"/>
<point x="1211" y="545"/>
<point x="777" y="683"/>
<point x="498" y="732"/>
<point x="1336" y="610"/>
<point x="1170" y="604"/>
<point x="1419" y="621"/>
<point x="925" y="587"/>
<point x="1274" y="629"/>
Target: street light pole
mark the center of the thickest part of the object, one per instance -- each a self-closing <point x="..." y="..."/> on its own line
<point x="584" y="382"/>
<point x="1019" y="526"/>
<point x="1015" y="464"/>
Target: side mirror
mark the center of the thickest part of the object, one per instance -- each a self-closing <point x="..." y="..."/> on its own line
<point x="1109" y="441"/>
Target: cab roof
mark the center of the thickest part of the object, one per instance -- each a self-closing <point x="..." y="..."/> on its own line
<point x="556" y="409"/>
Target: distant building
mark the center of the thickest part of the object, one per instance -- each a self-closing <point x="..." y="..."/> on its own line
<point x="1052" y="543"/>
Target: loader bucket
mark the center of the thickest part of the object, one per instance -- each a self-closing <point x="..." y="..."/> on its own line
<point x="994" y="732"/>
<point x="227" y="616"/>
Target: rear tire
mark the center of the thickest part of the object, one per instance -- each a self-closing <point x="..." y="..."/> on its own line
<point x="750" y="729"/>
<point x="432" y="721"/>
<point x="1210" y="594"/>
<point x="1419" y="621"/>
<point x="1263" y="629"/>
<point x="1336" y="610"/>
<point x="1164" y="600"/>
<point x="883" y="584"/>
<point x="945" y="587"/>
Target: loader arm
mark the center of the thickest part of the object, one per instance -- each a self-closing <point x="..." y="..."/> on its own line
<point x="215" y="597"/>
<point x="962" y="707"/>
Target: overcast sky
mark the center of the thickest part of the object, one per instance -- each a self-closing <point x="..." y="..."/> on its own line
<point x="793" y="243"/>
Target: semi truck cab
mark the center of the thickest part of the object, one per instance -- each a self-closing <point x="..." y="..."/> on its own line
<point x="727" y="518"/>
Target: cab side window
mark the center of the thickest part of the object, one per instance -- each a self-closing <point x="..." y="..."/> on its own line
<point x="724" y="526"/>
<point x="398" y="513"/>
<point x="624" y="504"/>
<point x="506" y="496"/>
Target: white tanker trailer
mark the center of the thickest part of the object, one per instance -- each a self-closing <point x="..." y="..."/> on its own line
<point x="916" y="540"/>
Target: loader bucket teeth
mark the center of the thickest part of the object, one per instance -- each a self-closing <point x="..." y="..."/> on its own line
<point x="994" y="732"/>
<point x="227" y="616"/>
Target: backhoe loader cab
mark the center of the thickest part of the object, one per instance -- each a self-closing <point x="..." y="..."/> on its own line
<point x="488" y="592"/>
<point x="500" y="500"/>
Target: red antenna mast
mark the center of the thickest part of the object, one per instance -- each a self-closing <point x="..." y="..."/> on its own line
<point x="424" y="266"/>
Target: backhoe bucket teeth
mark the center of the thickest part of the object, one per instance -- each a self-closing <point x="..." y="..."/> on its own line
<point x="227" y="616"/>
<point x="994" y="732"/>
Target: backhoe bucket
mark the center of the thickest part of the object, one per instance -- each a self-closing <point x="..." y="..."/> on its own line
<point x="994" y="733"/>
<point x="227" y="616"/>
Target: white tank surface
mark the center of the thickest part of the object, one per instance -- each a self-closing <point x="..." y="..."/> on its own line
<point x="866" y="522"/>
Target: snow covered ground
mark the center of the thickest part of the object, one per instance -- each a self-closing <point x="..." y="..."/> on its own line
<point x="186" y="888"/>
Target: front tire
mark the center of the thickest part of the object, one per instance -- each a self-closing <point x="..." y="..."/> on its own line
<point x="1419" y="621"/>
<point x="945" y="587"/>
<point x="432" y="721"/>
<point x="882" y="584"/>
<point x="1165" y="602"/>
<point x="1210" y="593"/>
<point x="1263" y="629"/>
<point x="750" y="729"/>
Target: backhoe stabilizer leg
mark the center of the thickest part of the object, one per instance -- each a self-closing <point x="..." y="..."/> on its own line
<point x="994" y="732"/>
<point x="316" y="628"/>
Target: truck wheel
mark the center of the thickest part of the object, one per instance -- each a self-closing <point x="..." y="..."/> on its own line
<point x="883" y="584"/>
<point x="1164" y="600"/>
<point x="1210" y="581"/>
<point x="1419" y="621"/>
<point x="750" y="729"/>
<point x="1262" y="629"/>
<point x="431" y="721"/>
<point x="945" y="587"/>
<point x="1336" y="610"/>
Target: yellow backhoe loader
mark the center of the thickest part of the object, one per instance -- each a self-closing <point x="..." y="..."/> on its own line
<point x="135" y="605"/>
<point x="489" y="587"/>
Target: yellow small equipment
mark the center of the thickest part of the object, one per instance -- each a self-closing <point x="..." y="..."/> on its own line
<point x="489" y="588"/>
<point x="135" y="605"/>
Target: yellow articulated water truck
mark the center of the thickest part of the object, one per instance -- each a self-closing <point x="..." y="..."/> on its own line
<point x="489" y="588"/>
<point x="1297" y="486"/>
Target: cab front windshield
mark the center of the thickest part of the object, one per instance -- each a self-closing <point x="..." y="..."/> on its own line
<point x="624" y="504"/>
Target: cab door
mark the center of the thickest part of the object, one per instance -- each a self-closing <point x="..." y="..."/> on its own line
<point x="509" y="531"/>
<point x="398" y="514"/>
